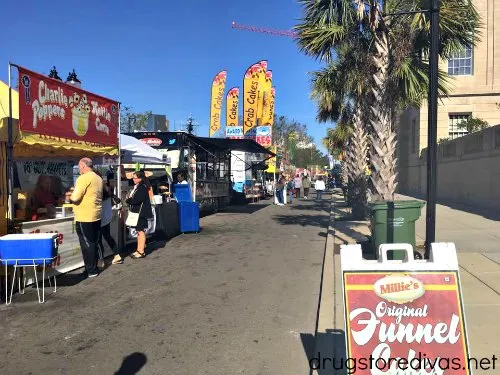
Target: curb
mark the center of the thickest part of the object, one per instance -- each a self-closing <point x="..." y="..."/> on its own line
<point x="325" y="322"/>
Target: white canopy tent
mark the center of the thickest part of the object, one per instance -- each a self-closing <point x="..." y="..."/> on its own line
<point x="135" y="151"/>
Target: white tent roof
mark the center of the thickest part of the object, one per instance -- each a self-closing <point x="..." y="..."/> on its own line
<point x="136" y="151"/>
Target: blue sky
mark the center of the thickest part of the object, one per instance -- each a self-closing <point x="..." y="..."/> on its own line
<point x="162" y="55"/>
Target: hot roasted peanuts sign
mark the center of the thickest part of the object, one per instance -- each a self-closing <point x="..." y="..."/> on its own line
<point x="407" y="323"/>
<point x="52" y="108"/>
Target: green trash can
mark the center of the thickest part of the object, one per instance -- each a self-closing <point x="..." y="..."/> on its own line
<point x="394" y="222"/>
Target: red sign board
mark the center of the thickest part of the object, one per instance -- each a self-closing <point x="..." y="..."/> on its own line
<point x="264" y="140"/>
<point x="152" y="141"/>
<point x="405" y="322"/>
<point x="50" y="107"/>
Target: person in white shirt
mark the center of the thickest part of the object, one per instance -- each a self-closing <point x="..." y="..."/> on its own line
<point x="319" y="186"/>
<point x="298" y="185"/>
<point x="181" y="179"/>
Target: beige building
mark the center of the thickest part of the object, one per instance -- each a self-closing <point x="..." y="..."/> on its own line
<point x="475" y="91"/>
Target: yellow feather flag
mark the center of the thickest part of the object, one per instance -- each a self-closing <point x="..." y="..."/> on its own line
<point x="218" y="87"/>
<point x="251" y="96"/>
<point x="266" y="107"/>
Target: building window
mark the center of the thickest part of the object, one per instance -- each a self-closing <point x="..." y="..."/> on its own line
<point x="460" y="63"/>
<point x="454" y="131"/>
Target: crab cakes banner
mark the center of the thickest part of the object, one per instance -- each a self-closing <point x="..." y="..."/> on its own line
<point x="55" y="109"/>
<point x="218" y="87"/>
<point x="251" y="95"/>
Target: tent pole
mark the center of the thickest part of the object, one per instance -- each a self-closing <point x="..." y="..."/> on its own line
<point x="10" y="156"/>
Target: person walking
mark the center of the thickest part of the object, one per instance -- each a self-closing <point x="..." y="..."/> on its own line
<point x="280" y="185"/>
<point x="319" y="186"/>
<point x="290" y="187"/>
<point x="298" y="184"/>
<point x="87" y="201"/>
<point x="106" y="217"/>
<point x="140" y="203"/>
<point x="306" y="184"/>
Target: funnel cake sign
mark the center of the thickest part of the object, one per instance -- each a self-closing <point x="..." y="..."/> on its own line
<point x="51" y="108"/>
<point x="405" y="323"/>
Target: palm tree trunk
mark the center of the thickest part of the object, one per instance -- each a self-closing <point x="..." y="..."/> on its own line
<point x="383" y="138"/>
<point x="358" y="151"/>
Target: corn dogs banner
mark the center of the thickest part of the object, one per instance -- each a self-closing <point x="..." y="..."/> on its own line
<point x="264" y="95"/>
<point x="218" y="88"/>
<point x="262" y="86"/>
<point x="57" y="110"/>
<point x="232" y="106"/>
<point x="251" y="95"/>
<point x="268" y="115"/>
<point x="404" y="318"/>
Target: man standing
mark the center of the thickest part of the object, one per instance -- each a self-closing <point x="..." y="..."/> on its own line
<point x="87" y="200"/>
<point x="306" y="183"/>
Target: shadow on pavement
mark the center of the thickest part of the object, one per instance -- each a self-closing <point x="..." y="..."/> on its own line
<point x="244" y="209"/>
<point x="321" y="221"/>
<point x="326" y="353"/>
<point x="132" y="364"/>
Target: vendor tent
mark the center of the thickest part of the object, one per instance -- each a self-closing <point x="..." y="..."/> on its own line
<point x="136" y="151"/>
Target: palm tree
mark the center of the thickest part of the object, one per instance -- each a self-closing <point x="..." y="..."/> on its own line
<point x="401" y="76"/>
<point x="342" y="92"/>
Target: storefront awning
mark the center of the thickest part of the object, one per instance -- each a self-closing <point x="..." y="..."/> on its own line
<point x="243" y="145"/>
<point x="39" y="146"/>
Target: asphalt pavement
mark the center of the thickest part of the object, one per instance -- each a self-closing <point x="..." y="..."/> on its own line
<point x="240" y="297"/>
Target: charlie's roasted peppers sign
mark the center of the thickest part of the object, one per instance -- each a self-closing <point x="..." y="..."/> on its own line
<point x="405" y="323"/>
<point x="55" y="109"/>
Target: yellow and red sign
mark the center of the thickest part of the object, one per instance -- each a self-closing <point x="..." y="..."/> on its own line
<point x="265" y="95"/>
<point x="272" y="161"/>
<point x="218" y="87"/>
<point x="50" y="108"/>
<point x="251" y="95"/>
<point x="262" y="85"/>
<point x="405" y="322"/>
<point x="232" y="106"/>
<point x="268" y="115"/>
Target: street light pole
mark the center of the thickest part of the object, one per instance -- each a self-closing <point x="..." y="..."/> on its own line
<point x="430" y="227"/>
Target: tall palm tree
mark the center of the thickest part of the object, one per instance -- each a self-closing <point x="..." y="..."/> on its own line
<point x="342" y="92"/>
<point x="401" y="75"/>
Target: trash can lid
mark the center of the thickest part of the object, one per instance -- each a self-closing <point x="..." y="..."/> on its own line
<point x="385" y="205"/>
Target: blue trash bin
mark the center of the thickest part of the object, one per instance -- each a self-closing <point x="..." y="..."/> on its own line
<point x="189" y="211"/>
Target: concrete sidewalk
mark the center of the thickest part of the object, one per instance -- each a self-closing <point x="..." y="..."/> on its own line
<point x="470" y="230"/>
<point x="476" y="241"/>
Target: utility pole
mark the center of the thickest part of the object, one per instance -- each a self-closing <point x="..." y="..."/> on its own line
<point x="430" y="224"/>
<point x="190" y="125"/>
<point x="430" y="218"/>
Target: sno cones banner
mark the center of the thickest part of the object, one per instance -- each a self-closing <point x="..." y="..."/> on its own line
<point x="251" y="96"/>
<point x="232" y="106"/>
<point x="266" y="95"/>
<point x="218" y="87"/>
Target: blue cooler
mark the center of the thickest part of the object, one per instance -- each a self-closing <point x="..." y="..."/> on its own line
<point x="29" y="248"/>
<point x="189" y="211"/>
